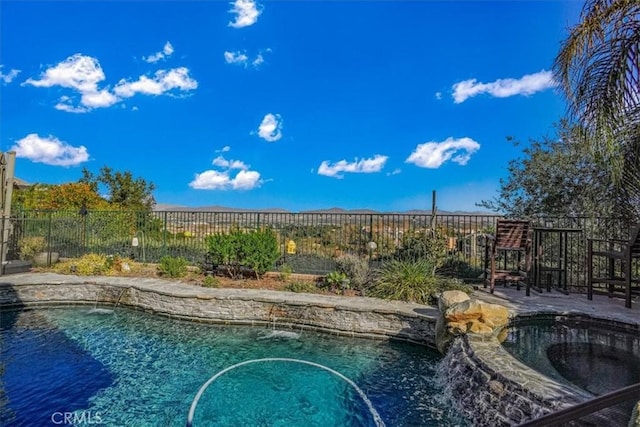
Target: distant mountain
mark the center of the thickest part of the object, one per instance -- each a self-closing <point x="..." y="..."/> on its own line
<point x="441" y="212"/>
<point x="334" y="210"/>
<point x="215" y="208"/>
<point x="340" y="211"/>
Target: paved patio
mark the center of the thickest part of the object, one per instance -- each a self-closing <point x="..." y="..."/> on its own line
<point x="556" y="302"/>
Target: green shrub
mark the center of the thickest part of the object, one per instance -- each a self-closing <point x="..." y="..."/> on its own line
<point x="173" y="266"/>
<point x="448" y="284"/>
<point x="285" y="272"/>
<point x="336" y="280"/>
<point x="211" y="282"/>
<point x="356" y="269"/>
<point x="261" y="250"/>
<point x="307" y="287"/>
<point x="423" y="245"/>
<point x="412" y="281"/>
<point x="456" y="266"/>
<point x="255" y="250"/>
<point x="87" y="265"/>
<point x="31" y="245"/>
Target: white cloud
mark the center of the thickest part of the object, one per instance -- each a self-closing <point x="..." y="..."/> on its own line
<point x="241" y="58"/>
<point x="229" y="164"/>
<point x="50" y="151"/>
<point x="434" y="154"/>
<point x="8" y="78"/>
<point x="224" y="149"/>
<point x="83" y="74"/>
<point x="374" y="164"/>
<point x="79" y="72"/>
<point x="236" y="58"/>
<point x="270" y="128"/>
<point x="69" y="108"/>
<point x="103" y="98"/>
<point x="394" y="172"/>
<point x="258" y="61"/>
<point x="211" y="180"/>
<point x="438" y="95"/>
<point x="166" y="52"/>
<point x="503" y="88"/>
<point x="163" y="81"/>
<point x="245" y="180"/>
<point x="223" y="179"/>
<point x="246" y="13"/>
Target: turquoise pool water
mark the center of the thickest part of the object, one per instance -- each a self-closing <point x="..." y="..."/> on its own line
<point x="127" y="368"/>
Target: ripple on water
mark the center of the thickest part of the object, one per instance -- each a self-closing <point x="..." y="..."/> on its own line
<point x="139" y="369"/>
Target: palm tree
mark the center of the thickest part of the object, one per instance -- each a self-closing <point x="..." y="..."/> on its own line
<point x="598" y="69"/>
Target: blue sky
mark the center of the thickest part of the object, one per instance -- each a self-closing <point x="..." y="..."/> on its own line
<point x="293" y="104"/>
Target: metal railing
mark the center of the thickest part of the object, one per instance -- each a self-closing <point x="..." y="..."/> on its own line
<point x="589" y="407"/>
<point x="318" y="237"/>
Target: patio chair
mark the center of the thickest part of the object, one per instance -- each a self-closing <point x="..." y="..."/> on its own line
<point x="618" y="276"/>
<point x="511" y="237"/>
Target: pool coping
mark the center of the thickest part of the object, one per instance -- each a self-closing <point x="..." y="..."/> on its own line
<point x="349" y="316"/>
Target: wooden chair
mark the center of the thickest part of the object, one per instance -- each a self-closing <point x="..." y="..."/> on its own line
<point x="618" y="275"/>
<point x="510" y="236"/>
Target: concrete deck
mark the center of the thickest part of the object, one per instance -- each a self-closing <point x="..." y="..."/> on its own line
<point x="516" y="301"/>
<point x="556" y="302"/>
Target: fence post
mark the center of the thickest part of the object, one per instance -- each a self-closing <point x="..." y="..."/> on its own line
<point x="84" y="237"/>
<point x="164" y="234"/>
<point x="49" y="240"/>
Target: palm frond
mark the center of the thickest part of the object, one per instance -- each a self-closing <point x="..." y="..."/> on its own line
<point x="598" y="70"/>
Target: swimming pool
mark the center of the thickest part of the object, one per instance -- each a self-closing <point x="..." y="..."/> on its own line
<point x="132" y="368"/>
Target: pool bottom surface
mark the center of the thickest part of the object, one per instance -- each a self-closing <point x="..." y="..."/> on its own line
<point x="136" y="369"/>
<point x="579" y="352"/>
<point x="595" y="367"/>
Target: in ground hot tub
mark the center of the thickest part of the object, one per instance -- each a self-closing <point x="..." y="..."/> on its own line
<point x="598" y="356"/>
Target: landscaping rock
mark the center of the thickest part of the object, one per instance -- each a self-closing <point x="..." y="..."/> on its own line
<point x="460" y="315"/>
<point x="476" y="317"/>
<point x="449" y="298"/>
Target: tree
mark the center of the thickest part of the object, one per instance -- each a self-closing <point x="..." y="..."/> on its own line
<point x="557" y="176"/>
<point x="70" y="196"/>
<point x="123" y="189"/>
<point x="598" y="69"/>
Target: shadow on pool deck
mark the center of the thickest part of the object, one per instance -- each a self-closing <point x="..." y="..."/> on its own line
<point x="601" y="306"/>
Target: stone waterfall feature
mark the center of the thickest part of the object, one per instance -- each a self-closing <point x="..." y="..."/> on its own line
<point x="460" y="315"/>
<point x="490" y="386"/>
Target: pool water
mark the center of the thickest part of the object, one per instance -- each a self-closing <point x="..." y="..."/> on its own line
<point x="127" y="368"/>
<point x="590" y="355"/>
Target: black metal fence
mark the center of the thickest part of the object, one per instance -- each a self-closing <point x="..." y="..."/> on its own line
<point x="309" y="242"/>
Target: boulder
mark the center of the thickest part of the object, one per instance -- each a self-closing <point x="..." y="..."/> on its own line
<point x="449" y="298"/>
<point x="460" y="315"/>
<point x="476" y="317"/>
